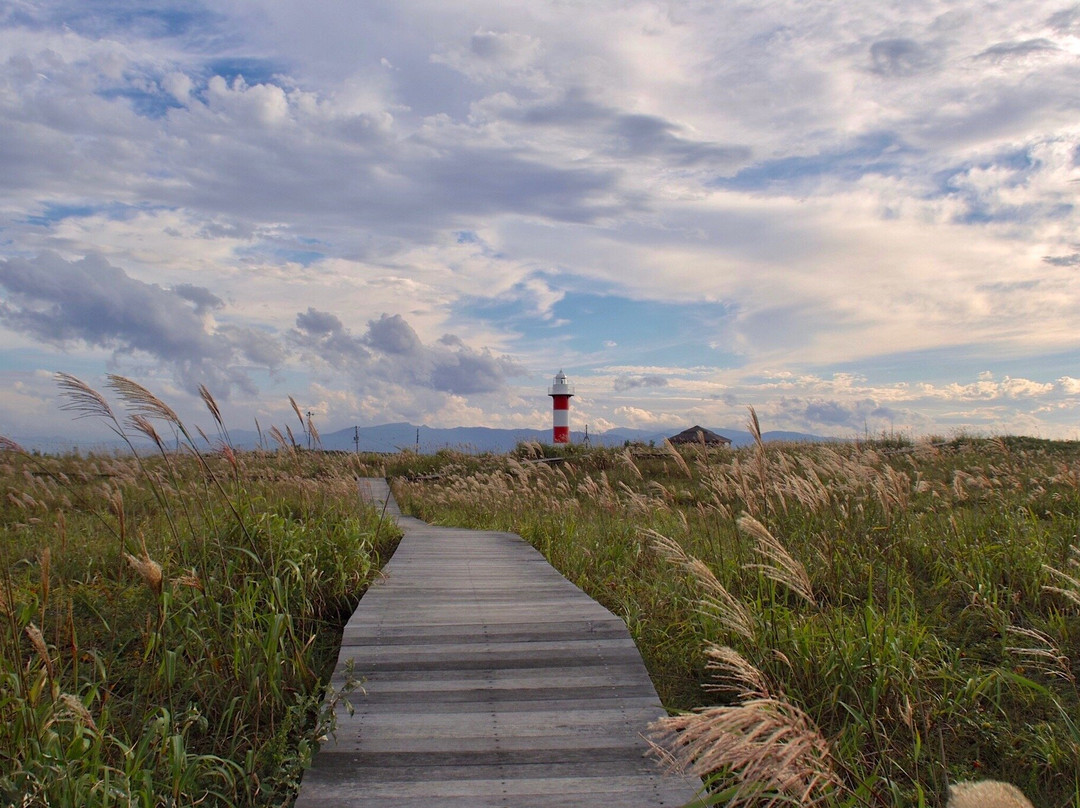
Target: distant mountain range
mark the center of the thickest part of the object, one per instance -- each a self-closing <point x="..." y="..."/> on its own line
<point x="425" y="439"/>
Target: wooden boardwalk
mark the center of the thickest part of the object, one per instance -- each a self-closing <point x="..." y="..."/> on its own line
<point x="490" y="680"/>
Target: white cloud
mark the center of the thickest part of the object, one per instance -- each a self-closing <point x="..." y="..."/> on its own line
<point x="637" y="417"/>
<point x="848" y="183"/>
<point x="179" y="86"/>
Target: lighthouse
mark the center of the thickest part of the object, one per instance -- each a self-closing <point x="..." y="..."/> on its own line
<point x="560" y="393"/>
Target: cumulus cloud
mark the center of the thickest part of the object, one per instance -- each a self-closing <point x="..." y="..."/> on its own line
<point x="390" y="351"/>
<point x="836" y="414"/>
<point x="987" y="388"/>
<point x="96" y="303"/>
<point x="639" y="417"/>
<point x="204" y="299"/>
<point x="327" y="337"/>
<point x="392" y="335"/>
<point x="900" y="57"/>
<point x="623" y="383"/>
<point x="849" y="182"/>
<point x="1069" y="385"/>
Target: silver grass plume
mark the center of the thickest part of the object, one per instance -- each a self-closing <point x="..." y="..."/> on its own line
<point x="1070" y="584"/>
<point x="764" y="751"/>
<point x="82" y="399"/>
<point x="779" y="564"/>
<point x="986" y="794"/>
<point x="731" y="672"/>
<point x="141" y="400"/>
<point x="717" y="601"/>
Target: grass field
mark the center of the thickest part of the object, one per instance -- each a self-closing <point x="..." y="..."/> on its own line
<point x="168" y="622"/>
<point x="846" y="624"/>
<point x="864" y="623"/>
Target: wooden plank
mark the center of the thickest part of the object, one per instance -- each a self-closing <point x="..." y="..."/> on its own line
<point x="488" y="679"/>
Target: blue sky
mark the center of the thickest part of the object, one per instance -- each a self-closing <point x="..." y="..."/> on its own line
<point x="851" y="217"/>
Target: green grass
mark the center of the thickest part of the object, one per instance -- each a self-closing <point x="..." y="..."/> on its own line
<point x="927" y="646"/>
<point x="907" y="611"/>
<point x="168" y="623"/>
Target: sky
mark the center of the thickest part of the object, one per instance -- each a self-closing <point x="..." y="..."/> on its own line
<point x="854" y="217"/>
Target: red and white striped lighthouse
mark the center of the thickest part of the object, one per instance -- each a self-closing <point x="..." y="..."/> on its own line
<point x="560" y="393"/>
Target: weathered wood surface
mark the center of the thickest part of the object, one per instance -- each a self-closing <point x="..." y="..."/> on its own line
<point x="490" y="680"/>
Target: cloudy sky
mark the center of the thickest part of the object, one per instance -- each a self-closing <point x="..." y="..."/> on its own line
<point x="852" y="216"/>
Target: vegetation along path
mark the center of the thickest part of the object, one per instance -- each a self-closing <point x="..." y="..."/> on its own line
<point x="489" y="680"/>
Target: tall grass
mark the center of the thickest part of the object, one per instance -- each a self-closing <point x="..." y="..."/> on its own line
<point x="168" y="620"/>
<point x="891" y="618"/>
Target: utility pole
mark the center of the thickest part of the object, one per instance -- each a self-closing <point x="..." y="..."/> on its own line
<point x="308" y="430"/>
<point x="356" y="438"/>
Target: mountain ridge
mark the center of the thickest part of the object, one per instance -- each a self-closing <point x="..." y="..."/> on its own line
<point x="404" y="436"/>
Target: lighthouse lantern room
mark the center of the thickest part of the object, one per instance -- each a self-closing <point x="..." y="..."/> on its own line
<point x="560" y="393"/>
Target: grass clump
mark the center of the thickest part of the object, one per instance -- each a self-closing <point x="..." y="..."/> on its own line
<point x="838" y="624"/>
<point x="169" y="621"/>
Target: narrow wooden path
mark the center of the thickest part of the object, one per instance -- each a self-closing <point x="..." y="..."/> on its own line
<point x="490" y="680"/>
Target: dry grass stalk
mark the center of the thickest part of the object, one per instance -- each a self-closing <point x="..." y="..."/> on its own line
<point x="1070" y="588"/>
<point x="741" y="485"/>
<point x="639" y="501"/>
<point x="720" y="604"/>
<point x="986" y="794"/>
<point x="811" y="493"/>
<point x="8" y="445"/>
<point x="38" y="641"/>
<point x="767" y="750"/>
<point x="148" y="569"/>
<point x="731" y="672"/>
<point x="670" y="449"/>
<point x="1040" y="652"/>
<point x="77" y="710"/>
<point x="189" y="579"/>
<point x="82" y="399"/>
<point x="278" y="438"/>
<point x="893" y="490"/>
<point x="628" y="459"/>
<point x="230" y="456"/>
<point x="296" y="409"/>
<point x="959" y="491"/>
<point x="211" y="405"/>
<point x="779" y="566"/>
<point x="760" y="459"/>
<point x="717" y="602"/>
<point x="142" y="401"/>
<point x="143" y="425"/>
<point x="45" y="561"/>
<point x="754" y="426"/>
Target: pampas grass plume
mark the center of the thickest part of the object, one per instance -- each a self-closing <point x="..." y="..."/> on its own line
<point x="148" y="569"/>
<point x="986" y="794"/>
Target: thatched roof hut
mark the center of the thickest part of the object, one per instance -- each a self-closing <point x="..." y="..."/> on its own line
<point x="698" y="435"/>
